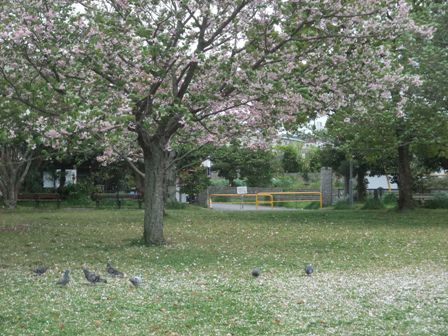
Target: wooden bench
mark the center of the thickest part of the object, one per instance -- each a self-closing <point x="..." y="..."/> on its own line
<point x="118" y="197"/>
<point x="40" y="197"/>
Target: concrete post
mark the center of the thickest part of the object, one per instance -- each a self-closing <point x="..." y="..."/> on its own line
<point x="326" y="185"/>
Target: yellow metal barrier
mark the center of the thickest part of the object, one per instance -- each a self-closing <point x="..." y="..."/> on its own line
<point x="306" y="193"/>
<point x="264" y="194"/>
<point x="270" y="195"/>
<point x="210" y="202"/>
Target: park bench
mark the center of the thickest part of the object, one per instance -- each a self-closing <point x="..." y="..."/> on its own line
<point x="118" y="198"/>
<point x="40" y="197"/>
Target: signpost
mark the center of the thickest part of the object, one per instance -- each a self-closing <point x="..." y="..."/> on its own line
<point x="241" y="191"/>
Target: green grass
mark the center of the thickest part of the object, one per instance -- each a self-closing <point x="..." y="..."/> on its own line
<point x="376" y="273"/>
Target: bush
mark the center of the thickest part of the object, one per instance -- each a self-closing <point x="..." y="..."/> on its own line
<point x="342" y="205"/>
<point x="389" y="198"/>
<point x="220" y="182"/>
<point x="80" y="191"/>
<point x="440" y="201"/>
<point x="285" y="182"/>
<point x="373" y="204"/>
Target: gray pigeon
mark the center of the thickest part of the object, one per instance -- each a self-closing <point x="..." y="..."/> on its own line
<point x="92" y="277"/>
<point x="256" y="272"/>
<point x="309" y="269"/>
<point x="112" y="271"/>
<point x="135" y="280"/>
<point x="65" y="279"/>
<point x="39" y="270"/>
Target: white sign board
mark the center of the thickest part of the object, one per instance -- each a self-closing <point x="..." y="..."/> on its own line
<point x="241" y="190"/>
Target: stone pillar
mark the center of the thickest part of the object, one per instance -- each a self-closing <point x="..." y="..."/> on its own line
<point x="326" y="185"/>
<point x="203" y="198"/>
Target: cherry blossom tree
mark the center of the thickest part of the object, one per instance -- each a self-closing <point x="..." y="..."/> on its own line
<point x="415" y="119"/>
<point x="20" y="144"/>
<point x="157" y="73"/>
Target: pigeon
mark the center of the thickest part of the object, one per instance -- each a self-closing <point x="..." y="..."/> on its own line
<point x="92" y="277"/>
<point x="135" y="280"/>
<point x="309" y="269"/>
<point x="256" y="272"/>
<point x="65" y="279"/>
<point x="39" y="270"/>
<point x="112" y="271"/>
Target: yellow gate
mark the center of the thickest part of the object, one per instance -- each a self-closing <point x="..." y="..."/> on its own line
<point x="260" y="198"/>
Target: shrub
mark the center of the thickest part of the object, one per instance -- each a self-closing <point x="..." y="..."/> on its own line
<point x="80" y="191"/>
<point x="440" y="201"/>
<point x="373" y="204"/>
<point x="389" y="198"/>
<point x="285" y="182"/>
<point x="220" y="182"/>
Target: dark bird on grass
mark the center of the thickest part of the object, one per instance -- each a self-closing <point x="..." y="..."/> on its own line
<point x="309" y="269"/>
<point x="256" y="272"/>
<point x="65" y="279"/>
<point x="39" y="270"/>
<point x="135" y="280"/>
<point x="92" y="277"/>
<point x="112" y="271"/>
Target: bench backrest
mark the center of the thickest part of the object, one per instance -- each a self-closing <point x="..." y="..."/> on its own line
<point x="42" y="196"/>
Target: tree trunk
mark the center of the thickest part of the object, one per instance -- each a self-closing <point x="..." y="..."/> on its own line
<point x="62" y="179"/>
<point x="155" y="159"/>
<point x="11" y="193"/>
<point x="14" y="166"/>
<point x="346" y="184"/>
<point x="361" y="184"/>
<point x="404" y="178"/>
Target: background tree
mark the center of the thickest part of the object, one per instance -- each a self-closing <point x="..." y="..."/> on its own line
<point x="395" y="134"/>
<point x="21" y="142"/>
<point x="290" y="159"/>
<point x="256" y="166"/>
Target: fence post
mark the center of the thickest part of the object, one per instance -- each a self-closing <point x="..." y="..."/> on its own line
<point x="326" y="186"/>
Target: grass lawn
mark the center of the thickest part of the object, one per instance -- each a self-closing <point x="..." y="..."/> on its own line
<point x="376" y="273"/>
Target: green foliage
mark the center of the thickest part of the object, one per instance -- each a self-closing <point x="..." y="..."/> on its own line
<point x="390" y="198"/>
<point x="284" y="182"/>
<point x="193" y="180"/>
<point x="373" y="204"/>
<point x="255" y="166"/>
<point x="296" y="159"/>
<point x="290" y="159"/>
<point x="116" y="176"/>
<point x="219" y="182"/>
<point x="434" y="182"/>
<point x="440" y="201"/>
<point x="82" y="190"/>
<point x="342" y="205"/>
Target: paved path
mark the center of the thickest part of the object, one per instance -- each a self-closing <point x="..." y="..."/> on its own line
<point x="248" y="207"/>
